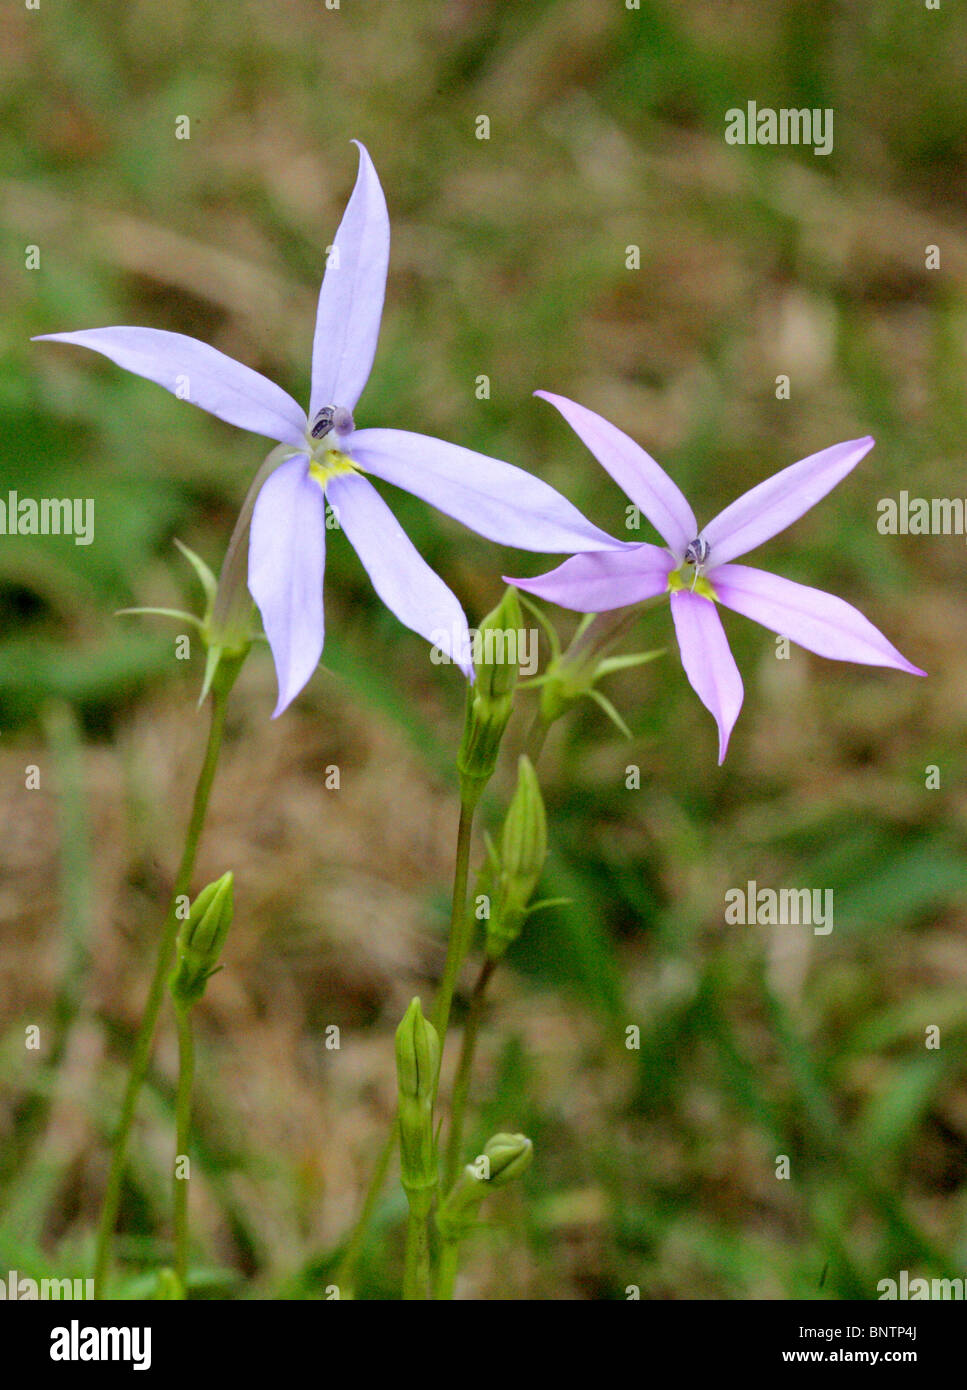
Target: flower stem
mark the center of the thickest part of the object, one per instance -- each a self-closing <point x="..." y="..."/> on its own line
<point x="446" y="1275"/>
<point x="416" y="1271"/>
<point x="461" y="925"/>
<point x="449" y="1253"/>
<point x="142" y="1047"/>
<point x="461" y="1085"/>
<point x="456" y="951"/>
<point x="186" y="1072"/>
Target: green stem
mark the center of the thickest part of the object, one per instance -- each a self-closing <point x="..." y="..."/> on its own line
<point x="461" y="1085"/>
<point x="142" y="1047"/>
<point x="186" y="1072"/>
<point x="449" y="1254"/>
<point x="446" y="1276"/>
<point x="461" y="925"/>
<point x="416" y="1271"/>
<point x="460" y="929"/>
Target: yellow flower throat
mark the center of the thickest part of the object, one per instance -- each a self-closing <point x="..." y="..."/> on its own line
<point x="332" y="464"/>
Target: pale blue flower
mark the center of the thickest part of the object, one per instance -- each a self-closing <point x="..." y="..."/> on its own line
<point x="329" y="458"/>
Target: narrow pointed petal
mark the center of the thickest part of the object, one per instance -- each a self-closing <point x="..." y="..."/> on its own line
<point x="770" y="507"/>
<point x="603" y="579"/>
<point x="198" y="373"/>
<point x="351" y="298"/>
<point x="286" y="563"/>
<point x="708" y="661"/>
<point x="818" y="621"/>
<point x="400" y="575"/>
<point x="495" y="499"/>
<point x="635" y="472"/>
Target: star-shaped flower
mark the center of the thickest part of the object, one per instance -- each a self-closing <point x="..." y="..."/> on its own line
<point x="697" y="571"/>
<point x="329" y="457"/>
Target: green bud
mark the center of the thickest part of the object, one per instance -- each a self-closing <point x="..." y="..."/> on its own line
<point x="504" y="1158"/>
<point x="490" y="700"/>
<point x="508" y="1156"/>
<point x="417" y="1064"/>
<point x="417" y="1054"/>
<point x="523" y="842"/>
<point x="515" y="870"/>
<point x="200" y="941"/>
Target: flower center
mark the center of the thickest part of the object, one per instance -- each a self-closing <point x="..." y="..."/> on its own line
<point x="696" y="553"/>
<point x="329" y="431"/>
<point x="330" y="463"/>
<point x="696" y="556"/>
<point x="332" y="418"/>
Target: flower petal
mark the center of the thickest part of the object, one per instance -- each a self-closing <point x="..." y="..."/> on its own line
<point x="286" y="563"/>
<point x="200" y="374"/>
<point x="603" y="579"/>
<point x="351" y="298"/>
<point x="818" y="621"/>
<point x="708" y="660"/>
<point x="635" y="472"/>
<point x="770" y="507"/>
<point x="400" y="575"/>
<point x="495" y="499"/>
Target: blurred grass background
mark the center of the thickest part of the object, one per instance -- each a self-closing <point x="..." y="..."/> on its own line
<point x="656" y="1167"/>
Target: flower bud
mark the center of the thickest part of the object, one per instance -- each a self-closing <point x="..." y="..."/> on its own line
<point x="490" y="700"/>
<point x="515" y="870"/>
<point x="508" y="1156"/>
<point x="417" y="1064"/>
<point x="417" y="1054"/>
<point x="200" y="941"/>
<point x="504" y="1158"/>
<point x="523" y="842"/>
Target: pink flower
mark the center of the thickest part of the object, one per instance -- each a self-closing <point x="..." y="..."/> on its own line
<point x="696" y="567"/>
